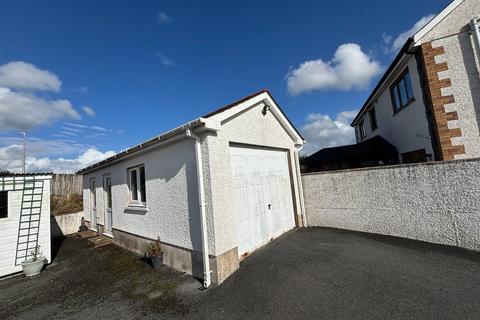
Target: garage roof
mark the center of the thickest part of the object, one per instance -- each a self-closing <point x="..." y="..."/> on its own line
<point x="210" y="121"/>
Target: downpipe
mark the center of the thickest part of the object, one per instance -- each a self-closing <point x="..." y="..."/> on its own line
<point x="475" y="30"/>
<point x="300" y="186"/>
<point x="201" y="203"/>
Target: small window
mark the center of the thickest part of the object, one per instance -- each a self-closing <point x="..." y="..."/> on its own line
<point x="3" y="204"/>
<point x="136" y="180"/>
<point x="373" y="119"/>
<point x="401" y="92"/>
<point x="361" y="129"/>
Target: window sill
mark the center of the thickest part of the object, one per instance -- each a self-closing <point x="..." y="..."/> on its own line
<point x="136" y="209"/>
<point x="404" y="107"/>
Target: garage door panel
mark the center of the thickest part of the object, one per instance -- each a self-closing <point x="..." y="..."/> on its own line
<point x="263" y="198"/>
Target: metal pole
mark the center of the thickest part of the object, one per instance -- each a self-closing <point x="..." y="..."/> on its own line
<point x="24" y="150"/>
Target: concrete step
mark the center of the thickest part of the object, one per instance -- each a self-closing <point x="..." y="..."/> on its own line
<point x="99" y="241"/>
<point x="87" y="234"/>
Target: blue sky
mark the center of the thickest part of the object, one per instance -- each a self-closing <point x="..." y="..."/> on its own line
<point x="89" y="78"/>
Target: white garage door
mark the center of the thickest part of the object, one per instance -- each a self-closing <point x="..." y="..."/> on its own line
<point x="262" y="192"/>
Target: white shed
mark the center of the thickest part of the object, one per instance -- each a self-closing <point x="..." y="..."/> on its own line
<point x="223" y="185"/>
<point x="24" y="219"/>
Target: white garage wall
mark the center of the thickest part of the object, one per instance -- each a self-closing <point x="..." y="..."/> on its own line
<point x="250" y="127"/>
<point x="171" y="191"/>
<point x="435" y="202"/>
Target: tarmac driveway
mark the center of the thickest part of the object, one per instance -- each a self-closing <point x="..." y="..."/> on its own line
<point x="305" y="274"/>
<point x="331" y="274"/>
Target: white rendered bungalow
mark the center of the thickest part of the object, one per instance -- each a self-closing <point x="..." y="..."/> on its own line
<point x="224" y="184"/>
<point x="24" y="219"/>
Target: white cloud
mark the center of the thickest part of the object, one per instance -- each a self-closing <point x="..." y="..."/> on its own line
<point x="25" y="76"/>
<point x="23" y="111"/>
<point x="88" y="131"/>
<point x="163" y="17"/>
<point x="40" y="147"/>
<point x="81" y="89"/>
<point x="72" y="129"/>
<point x="77" y="125"/>
<point x="321" y="131"/>
<point x="89" y="111"/>
<point x="101" y="129"/>
<point x="349" y="68"/>
<point x="69" y="133"/>
<point x="10" y="159"/>
<point x="400" y="40"/>
<point x="165" y="60"/>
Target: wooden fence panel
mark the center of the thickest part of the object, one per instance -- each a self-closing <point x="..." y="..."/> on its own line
<point x="65" y="184"/>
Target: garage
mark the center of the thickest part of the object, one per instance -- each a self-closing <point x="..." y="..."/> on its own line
<point x="263" y="206"/>
<point x="212" y="190"/>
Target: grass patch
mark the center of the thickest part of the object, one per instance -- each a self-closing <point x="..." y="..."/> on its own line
<point x="66" y="204"/>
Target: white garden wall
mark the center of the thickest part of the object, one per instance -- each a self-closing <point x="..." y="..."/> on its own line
<point x="435" y="202"/>
<point x="64" y="224"/>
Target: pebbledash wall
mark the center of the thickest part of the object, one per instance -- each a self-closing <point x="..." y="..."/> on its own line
<point x="452" y="69"/>
<point x="436" y="202"/>
<point x="65" y="224"/>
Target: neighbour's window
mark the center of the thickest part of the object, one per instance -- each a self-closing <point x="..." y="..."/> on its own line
<point x="373" y="119"/>
<point x="361" y="129"/>
<point x="401" y="91"/>
<point x="3" y="204"/>
<point x="136" y="180"/>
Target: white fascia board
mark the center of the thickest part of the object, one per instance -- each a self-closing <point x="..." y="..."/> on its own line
<point x="439" y="17"/>
<point x="258" y="99"/>
<point x="227" y="114"/>
<point x="197" y="125"/>
<point x="285" y="123"/>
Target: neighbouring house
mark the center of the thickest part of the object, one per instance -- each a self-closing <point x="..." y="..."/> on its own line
<point x="212" y="190"/>
<point x="369" y="153"/>
<point x="427" y="104"/>
<point x="24" y="219"/>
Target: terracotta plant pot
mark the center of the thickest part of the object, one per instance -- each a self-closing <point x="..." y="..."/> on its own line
<point x="32" y="268"/>
<point x="157" y="261"/>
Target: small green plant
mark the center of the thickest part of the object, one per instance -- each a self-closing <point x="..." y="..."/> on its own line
<point x="154" y="249"/>
<point x="36" y="253"/>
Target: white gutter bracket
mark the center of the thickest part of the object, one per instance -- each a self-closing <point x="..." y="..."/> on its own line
<point x="201" y="204"/>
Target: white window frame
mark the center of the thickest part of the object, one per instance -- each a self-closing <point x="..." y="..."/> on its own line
<point x="361" y="129"/>
<point x="93" y="198"/>
<point x="131" y="201"/>
<point x="105" y="196"/>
